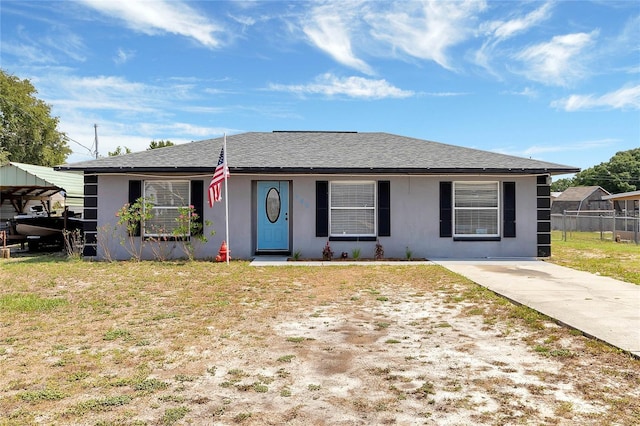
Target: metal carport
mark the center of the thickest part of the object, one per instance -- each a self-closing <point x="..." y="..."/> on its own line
<point x="21" y="183"/>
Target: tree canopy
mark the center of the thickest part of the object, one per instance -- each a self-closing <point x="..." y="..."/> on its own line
<point x="28" y="132"/>
<point x="159" y="144"/>
<point x="620" y="174"/>
<point x="152" y="145"/>
<point x="119" y="151"/>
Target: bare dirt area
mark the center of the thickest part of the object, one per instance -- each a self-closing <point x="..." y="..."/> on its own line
<point x="197" y="343"/>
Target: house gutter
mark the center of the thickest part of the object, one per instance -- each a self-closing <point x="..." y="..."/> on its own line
<point x="323" y="171"/>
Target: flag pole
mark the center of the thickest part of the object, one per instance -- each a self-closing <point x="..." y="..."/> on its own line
<point x="226" y="196"/>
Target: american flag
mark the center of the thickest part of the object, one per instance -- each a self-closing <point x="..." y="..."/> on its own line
<point x="215" y="187"/>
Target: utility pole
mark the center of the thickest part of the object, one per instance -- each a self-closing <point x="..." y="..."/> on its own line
<point x="95" y="129"/>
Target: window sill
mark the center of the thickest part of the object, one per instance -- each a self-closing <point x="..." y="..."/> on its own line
<point x="167" y="239"/>
<point x="348" y="238"/>
<point x="476" y="238"/>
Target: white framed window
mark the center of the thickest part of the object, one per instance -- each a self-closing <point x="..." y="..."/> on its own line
<point x="167" y="197"/>
<point x="352" y="209"/>
<point x="476" y="211"/>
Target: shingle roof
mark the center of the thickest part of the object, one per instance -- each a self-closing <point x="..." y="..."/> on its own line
<point x="578" y="193"/>
<point x="321" y="152"/>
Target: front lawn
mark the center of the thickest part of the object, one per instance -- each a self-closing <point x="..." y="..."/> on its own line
<point x="154" y="343"/>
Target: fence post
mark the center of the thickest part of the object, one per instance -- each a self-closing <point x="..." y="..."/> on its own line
<point x="564" y="225"/>
<point x="636" y="225"/>
<point x="600" y="220"/>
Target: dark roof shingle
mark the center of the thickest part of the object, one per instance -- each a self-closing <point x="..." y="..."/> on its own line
<point x="321" y="152"/>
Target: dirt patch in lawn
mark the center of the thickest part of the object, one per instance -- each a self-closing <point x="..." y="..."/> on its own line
<point x="196" y="343"/>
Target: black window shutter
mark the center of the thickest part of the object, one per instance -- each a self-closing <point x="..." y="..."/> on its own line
<point x="322" y="208"/>
<point x="445" y="209"/>
<point x="509" y="209"/>
<point x="384" y="208"/>
<point x="135" y="192"/>
<point x="197" y="191"/>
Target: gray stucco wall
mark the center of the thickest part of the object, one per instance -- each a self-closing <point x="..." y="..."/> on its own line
<point x="414" y="219"/>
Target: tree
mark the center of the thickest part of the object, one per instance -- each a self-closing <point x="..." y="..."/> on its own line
<point x="119" y="151"/>
<point x="620" y="174"/>
<point x="4" y="157"/>
<point x="160" y="144"/>
<point x="28" y="132"/>
<point x="561" y="184"/>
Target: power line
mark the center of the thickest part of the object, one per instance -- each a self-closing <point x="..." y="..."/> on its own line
<point x="75" y="141"/>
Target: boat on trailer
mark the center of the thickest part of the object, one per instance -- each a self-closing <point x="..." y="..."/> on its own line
<point x="39" y="226"/>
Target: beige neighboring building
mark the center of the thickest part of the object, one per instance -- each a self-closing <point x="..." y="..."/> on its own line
<point x="626" y="201"/>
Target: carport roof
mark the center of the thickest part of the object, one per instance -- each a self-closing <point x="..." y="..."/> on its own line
<point x="30" y="181"/>
<point x="633" y="195"/>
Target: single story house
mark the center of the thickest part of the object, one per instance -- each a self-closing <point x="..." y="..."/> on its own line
<point x="581" y="199"/>
<point x="627" y="203"/>
<point x="291" y="192"/>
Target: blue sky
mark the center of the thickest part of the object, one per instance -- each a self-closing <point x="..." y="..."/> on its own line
<point x="556" y="81"/>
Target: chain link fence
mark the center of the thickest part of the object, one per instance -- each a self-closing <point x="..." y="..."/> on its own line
<point x="595" y="224"/>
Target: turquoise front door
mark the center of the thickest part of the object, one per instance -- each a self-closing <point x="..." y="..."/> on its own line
<point x="273" y="216"/>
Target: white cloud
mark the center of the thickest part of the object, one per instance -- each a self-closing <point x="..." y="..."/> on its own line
<point x="183" y="129"/>
<point x="558" y="62"/>
<point x="101" y="93"/>
<point x="68" y="43"/>
<point x="123" y="56"/>
<point x="52" y="48"/>
<point x="625" y="98"/>
<point x="444" y="94"/>
<point x="354" y="87"/>
<point x="527" y="92"/>
<point x="128" y="113"/>
<point x="133" y="135"/>
<point x="162" y="16"/>
<point x="501" y="30"/>
<point x="330" y="29"/>
<point x="27" y="53"/>
<point x="577" y="146"/>
<point x="425" y="30"/>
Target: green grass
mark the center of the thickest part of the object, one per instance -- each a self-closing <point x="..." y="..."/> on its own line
<point x="100" y="404"/>
<point x="286" y="358"/>
<point x="172" y="415"/>
<point x="586" y="252"/>
<point x="150" y="385"/>
<point x="116" y="334"/>
<point x="41" y="395"/>
<point x="29" y="303"/>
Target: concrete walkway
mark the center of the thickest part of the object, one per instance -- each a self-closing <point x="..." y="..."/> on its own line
<point x="600" y="307"/>
<point x="284" y="261"/>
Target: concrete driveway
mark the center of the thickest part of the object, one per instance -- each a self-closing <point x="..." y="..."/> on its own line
<point x="600" y="307"/>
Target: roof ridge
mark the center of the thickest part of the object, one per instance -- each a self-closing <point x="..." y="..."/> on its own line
<point x="313" y="131"/>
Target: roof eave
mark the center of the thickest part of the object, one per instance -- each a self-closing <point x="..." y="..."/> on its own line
<point x="325" y="170"/>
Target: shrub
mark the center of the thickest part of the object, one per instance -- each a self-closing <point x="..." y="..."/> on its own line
<point x="327" y="253"/>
